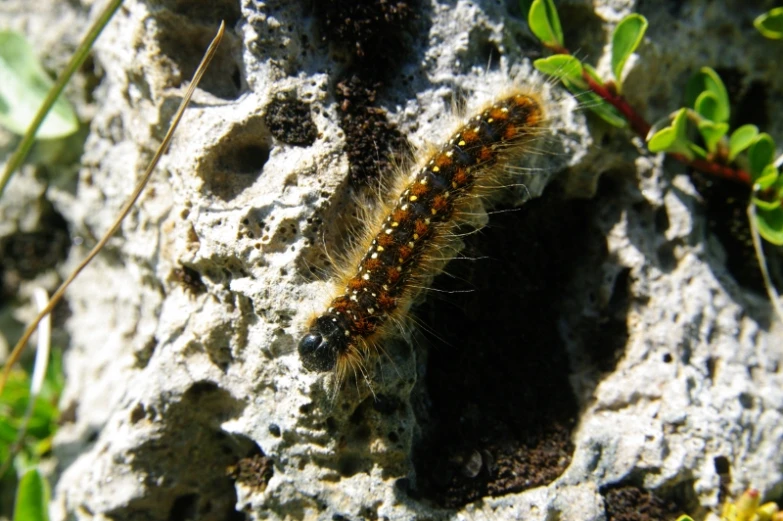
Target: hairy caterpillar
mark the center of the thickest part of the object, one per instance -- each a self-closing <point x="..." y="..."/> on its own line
<point x="400" y="254"/>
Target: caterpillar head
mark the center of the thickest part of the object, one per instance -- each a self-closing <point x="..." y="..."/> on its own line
<point x="327" y="339"/>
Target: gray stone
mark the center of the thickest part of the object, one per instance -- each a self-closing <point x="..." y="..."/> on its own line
<point x="177" y="384"/>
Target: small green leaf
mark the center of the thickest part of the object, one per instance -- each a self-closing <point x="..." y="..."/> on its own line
<point x="579" y="88"/>
<point x="708" y="80"/>
<point x="715" y="85"/>
<point x="23" y="88"/>
<point x="32" y="498"/>
<point x="766" y="205"/>
<point x="706" y="105"/>
<point x="697" y="150"/>
<point x="673" y="138"/>
<point x="684" y="518"/>
<point x="662" y="140"/>
<point x="626" y="38"/>
<point x="741" y="139"/>
<point x="770" y="24"/>
<point x="562" y="66"/>
<point x="712" y="133"/>
<point x="569" y="70"/>
<point x="603" y="110"/>
<point x="768" y="179"/>
<point x="760" y="154"/>
<point x="770" y="225"/>
<point x="545" y="23"/>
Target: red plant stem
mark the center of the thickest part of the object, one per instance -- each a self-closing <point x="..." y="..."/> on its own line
<point x="642" y="128"/>
<point x="557" y="49"/>
<point x="637" y="122"/>
<point x="716" y="169"/>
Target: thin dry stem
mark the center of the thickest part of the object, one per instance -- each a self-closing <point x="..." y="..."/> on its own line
<point x="19" y="348"/>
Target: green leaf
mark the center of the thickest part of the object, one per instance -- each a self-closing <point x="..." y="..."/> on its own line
<point x="23" y="88"/>
<point x="708" y="80"/>
<point x="741" y="139"/>
<point x="593" y="73"/>
<point x="706" y="105"/>
<point x="768" y="179"/>
<point x="604" y="110"/>
<point x="684" y="518"/>
<point x="697" y="150"/>
<point x="569" y="70"/>
<point x="662" y="140"/>
<point x="673" y="138"/>
<point x="562" y="66"/>
<point x="760" y="154"/>
<point x="770" y="24"/>
<point x="712" y="133"/>
<point x="32" y="498"/>
<point x="545" y="23"/>
<point x="599" y="105"/>
<point x="761" y="204"/>
<point x="770" y="225"/>
<point x="714" y="84"/>
<point x="626" y="38"/>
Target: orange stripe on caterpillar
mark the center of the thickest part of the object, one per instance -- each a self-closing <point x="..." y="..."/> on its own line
<point x="419" y="223"/>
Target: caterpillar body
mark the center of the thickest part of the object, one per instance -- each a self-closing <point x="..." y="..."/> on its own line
<point x="400" y="254"/>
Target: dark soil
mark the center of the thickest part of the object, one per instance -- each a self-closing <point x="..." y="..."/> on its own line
<point x="373" y="143"/>
<point x="254" y="471"/>
<point x="374" y="38"/>
<point x="291" y="122"/>
<point x="630" y="503"/>
<point x="374" y="32"/>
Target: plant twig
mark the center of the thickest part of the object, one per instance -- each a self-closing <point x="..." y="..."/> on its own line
<point x="637" y="122"/>
<point x="641" y="127"/>
<point x="75" y="62"/>
<point x="716" y="169"/>
<point x="16" y="353"/>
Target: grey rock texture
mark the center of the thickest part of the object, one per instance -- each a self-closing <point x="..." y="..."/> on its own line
<point x="188" y="396"/>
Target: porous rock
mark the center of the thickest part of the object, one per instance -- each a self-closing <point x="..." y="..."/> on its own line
<point x="189" y="399"/>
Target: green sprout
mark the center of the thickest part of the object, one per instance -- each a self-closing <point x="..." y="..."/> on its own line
<point x="545" y="24"/>
<point x="582" y="79"/>
<point x="744" y="155"/>
<point x="626" y="38"/>
<point x="770" y="24"/>
<point x="741" y="139"/>
<point x="673" y="138"/>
